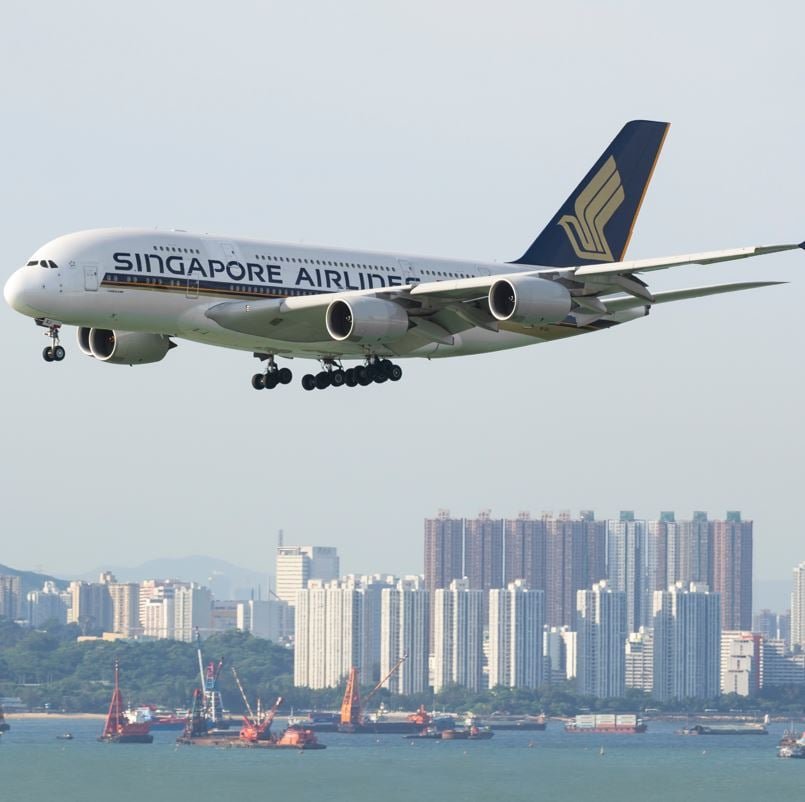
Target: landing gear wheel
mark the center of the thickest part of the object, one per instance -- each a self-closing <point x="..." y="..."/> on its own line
<point x="284" y="375"/>
<point x="363" y="378"/>
<point x="258" y="381"/>
<point x="385" y="366"/>
<point x="337" y="378"/>
<point x="396" y="373"/>
<point x="309" y="381"/>
<point x="271" y="380"/>
<point x="58" y="353"/>
<point x="350" y="379"/>
<point x="380" y="377"/>
<point x="47" y="354"/>
<point x="322" y="380"/>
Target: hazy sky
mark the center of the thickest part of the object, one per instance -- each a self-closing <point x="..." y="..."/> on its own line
<point x="449" y="128"/>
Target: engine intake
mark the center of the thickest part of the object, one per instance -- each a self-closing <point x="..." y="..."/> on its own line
<point x="529" y="300"/>
<point x="365" y="319"/>
<point x="123" y="347"/>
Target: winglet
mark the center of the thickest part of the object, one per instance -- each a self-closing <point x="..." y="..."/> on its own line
<point x="802" y="245"/>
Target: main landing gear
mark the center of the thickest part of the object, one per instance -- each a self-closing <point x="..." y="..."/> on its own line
<point x="375" y="370"/>
<point x="54" y="352"/>
<point x="272" y="377"/>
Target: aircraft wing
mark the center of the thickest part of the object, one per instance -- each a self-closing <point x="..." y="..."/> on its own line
<point x="707" y="258"/>
<point x="623" y="302"/>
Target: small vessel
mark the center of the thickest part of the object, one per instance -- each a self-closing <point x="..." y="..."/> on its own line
<point x="65" y="736"/>
<point x="621" y="724"/>
<point x="4" y="725"/>
<point x="472" y="731"/>
<point x="119" y="727"/>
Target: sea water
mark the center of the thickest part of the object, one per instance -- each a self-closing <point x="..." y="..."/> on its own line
<point x="659" y="766"/>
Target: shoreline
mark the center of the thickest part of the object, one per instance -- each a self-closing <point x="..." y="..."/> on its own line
<point x="10" y="717"/>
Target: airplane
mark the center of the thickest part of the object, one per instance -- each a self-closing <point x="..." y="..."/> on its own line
<point x="132" y="292"/>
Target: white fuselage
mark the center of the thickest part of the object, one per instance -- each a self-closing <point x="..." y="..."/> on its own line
<point x="164" y="281"/>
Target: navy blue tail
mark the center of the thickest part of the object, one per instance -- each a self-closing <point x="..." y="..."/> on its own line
<point x="595" y="223"/>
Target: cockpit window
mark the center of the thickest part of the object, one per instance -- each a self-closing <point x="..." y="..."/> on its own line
<point x="49" y="263"/>
<point x="52" y="265"/>
<point x="32" y="263"/>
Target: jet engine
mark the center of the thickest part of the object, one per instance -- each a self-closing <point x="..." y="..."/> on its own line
<point x="123" y="347"/>
<point x="529" y="300"/>
<point x="365" y="319"/>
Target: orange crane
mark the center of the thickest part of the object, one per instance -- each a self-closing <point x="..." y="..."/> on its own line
<point x="256" y="727"/>
<point x="351" y="711"/>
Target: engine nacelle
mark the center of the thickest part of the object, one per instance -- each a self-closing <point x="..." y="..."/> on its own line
<point x="123" y="347"/>
<point x="529" y="300"/>
<point x="366" y="319"/>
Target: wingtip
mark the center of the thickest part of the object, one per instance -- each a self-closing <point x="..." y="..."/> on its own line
<point x="801" y="245"/>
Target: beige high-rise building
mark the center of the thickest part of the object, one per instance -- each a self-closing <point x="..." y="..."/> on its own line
<point x="296" y="565"/>
<point x="458" y="628"/>
<point x="125" y="598"/>
<point x="404" y="630"/>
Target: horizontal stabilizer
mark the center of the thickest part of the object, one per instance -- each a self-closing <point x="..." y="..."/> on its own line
<point x="623" y="302"/>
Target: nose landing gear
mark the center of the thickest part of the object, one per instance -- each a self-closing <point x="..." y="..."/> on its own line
<point x="53" y="352"/>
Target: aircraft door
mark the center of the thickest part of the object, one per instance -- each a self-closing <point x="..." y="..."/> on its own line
<point x="90" y="276"/>
<point x="407" y="270"/>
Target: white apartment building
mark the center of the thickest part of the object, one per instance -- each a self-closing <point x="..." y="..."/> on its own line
<point x="516" y="621"/>
<point x="296" y="565"/>
<point x="458" y="628"/>
<point x="559" y="653"/>
<point x="687" y="642"/>
<point x="328" y="630"/>
<point x="798" y="608"/>
<point x="640" y="660"/>
<point x="192" y="610"/>
<point x="405" y="630"/>
<point x="125" y="608"/>
<point x="264" y="618"/>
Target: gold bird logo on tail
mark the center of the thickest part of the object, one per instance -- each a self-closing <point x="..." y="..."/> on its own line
<point x="594" y="207"/>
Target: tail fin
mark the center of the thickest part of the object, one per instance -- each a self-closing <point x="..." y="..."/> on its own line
<point x="595" y="223"/>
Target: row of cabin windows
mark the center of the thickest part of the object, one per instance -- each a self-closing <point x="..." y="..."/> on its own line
<point x="174" y="249"/>
<point x="326" y="263"/>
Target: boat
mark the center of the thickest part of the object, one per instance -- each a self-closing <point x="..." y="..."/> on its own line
<point x="65" y="736"/>
<point x="525" y="723"/>
<point x="124" y="727"/>
<point x="793" y="750"/>
<point x="4" y="725"/>
<point x="743" y="728"/>
<point x="472" y="731"/>
<point x="607" y="723"/>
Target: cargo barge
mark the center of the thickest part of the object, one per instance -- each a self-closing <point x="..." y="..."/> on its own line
<point x="725" y="729"/>
<point x="607" y="723"/>
<point x="525" y="723"/>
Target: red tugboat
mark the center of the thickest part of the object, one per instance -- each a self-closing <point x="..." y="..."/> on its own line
<point x="119" y="728"/>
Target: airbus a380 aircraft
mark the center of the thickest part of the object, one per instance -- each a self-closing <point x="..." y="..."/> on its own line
<point x="131" y="291"/>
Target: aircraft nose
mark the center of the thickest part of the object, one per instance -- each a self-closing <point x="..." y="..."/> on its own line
<point x="20" y="292"/>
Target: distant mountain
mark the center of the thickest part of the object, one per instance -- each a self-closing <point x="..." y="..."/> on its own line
<point x="226" y="580"/>
<point x="31" y="580"/>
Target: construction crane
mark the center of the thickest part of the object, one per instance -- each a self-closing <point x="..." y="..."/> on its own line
<point x="351" y="712"/>
<point x="213" y="704"/>
<point x="256" y="727"/>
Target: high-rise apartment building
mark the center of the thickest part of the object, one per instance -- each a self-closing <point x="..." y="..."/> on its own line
<point x="516" y="622"/>
<point x="10" y="597"/>
<point x="329" y="628"/>
<point x="296" y="565"/>
<point x="444" y="550"/>
<point x="559" y="653"/>
<point x="266" y="618"/>
<point x="125" y="598"/>
<point x="627" y="566"/>
<point x="687" y="642"/>
<point x="639" y="663"/>
<point x="483" y="551"/>
<point x="48" y="604"/>
<point x="575" y="559"/>
<point x="732" y="570"/>
<point x="741" y="662"/>
<point x="90" y="606"/>
<point x="601" y="628"/>
<point x="458" y="625"/>
<point x="405" y="624"/>
<point x="797" y="637"/>
<point x="779" y="666"/>
<point x="158" y="615"/>
<point x="524" y="551"/>
<point x="192" y="610"/>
